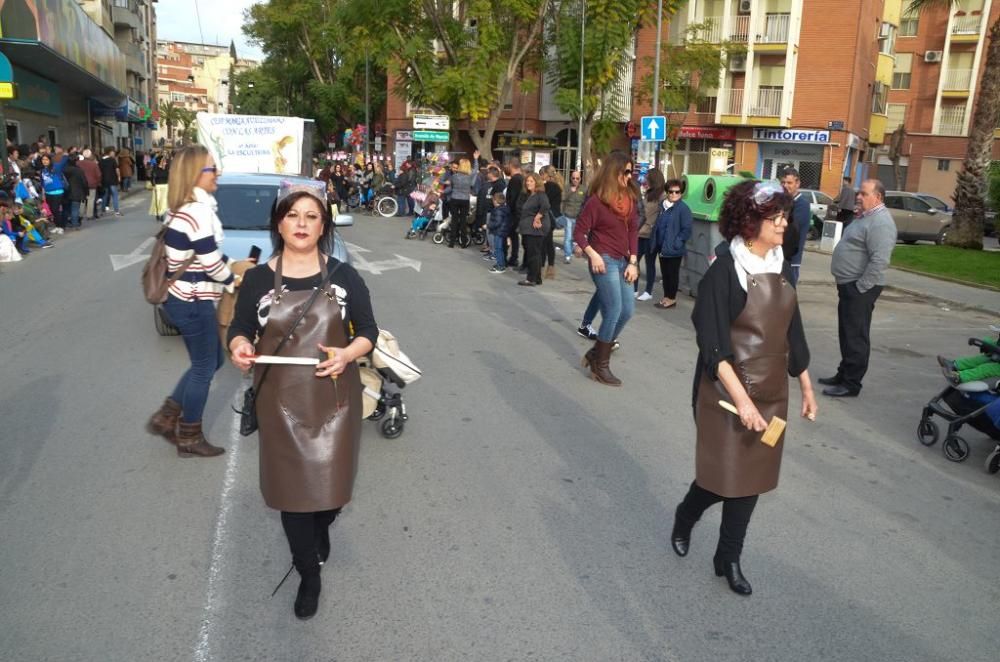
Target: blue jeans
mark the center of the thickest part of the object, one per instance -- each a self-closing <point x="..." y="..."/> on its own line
<point x="112" y="193"/>
<point x="74" y="214"/>
<point x="615" y="297"/>
<point x="568" y="237"/>
<point x="126" y="183"/>
<point x="499" y="244"/>
<point x="199" y="327"/>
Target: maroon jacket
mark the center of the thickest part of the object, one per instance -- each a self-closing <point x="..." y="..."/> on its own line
<point x="91" y="171"/>
<point x="597" y="226"/>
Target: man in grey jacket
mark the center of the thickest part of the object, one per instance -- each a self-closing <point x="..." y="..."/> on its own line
<point x="859" y="265"/>
<point x="845" y="203"/>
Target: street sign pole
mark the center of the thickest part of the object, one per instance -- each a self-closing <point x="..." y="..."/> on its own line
<point x="656" y="74"/>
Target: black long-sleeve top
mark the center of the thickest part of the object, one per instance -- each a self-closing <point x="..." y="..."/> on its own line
<point x="257" y="290"/>
<point x="720" y="301"/>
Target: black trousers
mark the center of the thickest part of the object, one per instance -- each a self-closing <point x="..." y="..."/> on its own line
<point x="514" y="244"/>
<point x="56" y="203"/>
<point x="459" y="216"/>
<point x="736" y="513"/>
<point x="303" y="531"/>
<point x="533" y="257"/>
<point x="549" y="247"/>
<point x="670" y="267"/>
<point x="854" y="324"/>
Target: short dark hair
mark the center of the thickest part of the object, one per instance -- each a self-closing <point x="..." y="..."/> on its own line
<point x="281" y="208"/>
<point x="879" y="188"/>
<point x="742" y="216"/>
<point x="790" y="172"/>
<point x="108" y="150"/>
<point x="674" y="182"/>
<point x="847" y="179"/>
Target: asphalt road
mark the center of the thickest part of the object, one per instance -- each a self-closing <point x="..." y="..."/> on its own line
<point x="524" y="514"/>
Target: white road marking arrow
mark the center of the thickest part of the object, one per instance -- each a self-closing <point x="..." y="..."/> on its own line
<point x="119" y="262"/>
<point x="354" y="248"/>
<point x="378" y="266"/>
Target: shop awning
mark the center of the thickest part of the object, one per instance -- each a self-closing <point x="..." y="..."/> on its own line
<point x="39" y="58"/>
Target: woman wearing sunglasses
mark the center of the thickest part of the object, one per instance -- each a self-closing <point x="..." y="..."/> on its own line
<point x="673" y="229"/>
<point x="193" y="235"/>
<point x="750" y="340"/>
<point x="607" y="231"/>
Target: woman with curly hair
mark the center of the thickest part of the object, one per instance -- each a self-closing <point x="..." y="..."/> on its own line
<point x="750" y="339"/>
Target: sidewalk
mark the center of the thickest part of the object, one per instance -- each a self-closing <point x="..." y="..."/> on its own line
<point x="816" y="270"/>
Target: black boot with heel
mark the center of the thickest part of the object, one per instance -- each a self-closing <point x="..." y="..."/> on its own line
<point x="734" y="576"/>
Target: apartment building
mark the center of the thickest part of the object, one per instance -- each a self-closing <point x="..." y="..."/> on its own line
<point x="939" y="61"/>
<point x="196" y="76"/>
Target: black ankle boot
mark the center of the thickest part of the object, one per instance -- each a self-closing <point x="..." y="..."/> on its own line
<point x="680" y="539"/>
<point x="731" y="570"/>
<point x="323" y="543"/>
<point x="307" y="599"/>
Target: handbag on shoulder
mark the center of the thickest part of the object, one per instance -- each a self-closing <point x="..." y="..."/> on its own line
<point x="155" y="283"/>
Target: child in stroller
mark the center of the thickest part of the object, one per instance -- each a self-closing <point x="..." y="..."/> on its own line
<point x="427" y="212"/>
<point x="974" y="402"/>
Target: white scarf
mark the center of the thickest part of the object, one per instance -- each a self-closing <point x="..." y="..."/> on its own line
<point x="748" y="263"/>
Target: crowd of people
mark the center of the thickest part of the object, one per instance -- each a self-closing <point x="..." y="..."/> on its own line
<point x="48" y="190"/>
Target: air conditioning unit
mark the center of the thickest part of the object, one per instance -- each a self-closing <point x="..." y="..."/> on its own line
<point x="884" y="30"/>
<point x="745" y="6"/>
<point x="933" y="56"/>
<point x="738" y="62"/>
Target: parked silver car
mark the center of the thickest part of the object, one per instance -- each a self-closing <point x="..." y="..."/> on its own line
<point x="915" y="219"/>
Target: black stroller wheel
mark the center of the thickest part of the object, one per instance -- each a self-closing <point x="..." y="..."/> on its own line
<point x="392" y="427"/>
<point x="438" y="238"/>
<point x="378" y="413"/>
<point x="955" y="448"/>
<point x="993" y="461"/>
<point x="928" y="432"/>
<point x="478" y="238"/>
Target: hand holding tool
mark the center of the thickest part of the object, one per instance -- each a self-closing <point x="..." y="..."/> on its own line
<point x="774" y="428"/>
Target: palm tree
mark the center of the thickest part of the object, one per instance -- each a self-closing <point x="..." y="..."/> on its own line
<point x="970" y="189"/>
<point x="169" y="116"/>
<point x="186" y="118"/>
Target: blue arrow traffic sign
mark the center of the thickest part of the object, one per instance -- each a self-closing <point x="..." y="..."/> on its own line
<point x="654" y="128"/>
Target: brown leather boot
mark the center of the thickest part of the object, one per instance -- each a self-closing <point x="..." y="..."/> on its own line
<point x="589" y="357"/>
<point x="191" y="441"/>
<point x="600" y="370"/>
<point x="550" y="272"/>
<point x="164" y="422"/>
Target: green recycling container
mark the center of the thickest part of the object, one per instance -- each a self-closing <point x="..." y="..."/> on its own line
<point x="704" y="195"/>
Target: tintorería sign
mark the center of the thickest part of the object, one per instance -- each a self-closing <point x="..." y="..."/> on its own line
<point x="816" y="136"/>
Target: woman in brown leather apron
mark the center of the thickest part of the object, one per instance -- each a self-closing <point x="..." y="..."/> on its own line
<point x="309" y="416"/>
<point x="750" y="339"/>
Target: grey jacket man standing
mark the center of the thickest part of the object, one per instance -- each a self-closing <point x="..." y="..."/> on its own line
<point x="859" y="266"/>
<point x="845" y="203"/>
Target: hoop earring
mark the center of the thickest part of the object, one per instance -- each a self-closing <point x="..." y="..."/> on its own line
<point x="749" y="243"/>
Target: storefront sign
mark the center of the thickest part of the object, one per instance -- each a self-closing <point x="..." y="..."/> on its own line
<point x="403" y="150"/>
<point x="7" y="88"/>
<point x="792" y="152"/>
<point x="524" y="141"/>
<point x="718" y="161"/>
<point x="431" y="136"/>
<point x="36" y="94"/>
<point x="404" y="135"/>
<point x="818" y="136"/>
<point x="707" y="133"/>
<point x="253" y="143"/>
<point x="433" y="122"/>
<point x="67" y="29"/>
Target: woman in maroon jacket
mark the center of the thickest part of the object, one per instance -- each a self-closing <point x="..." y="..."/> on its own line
<point x="608" y="233"/>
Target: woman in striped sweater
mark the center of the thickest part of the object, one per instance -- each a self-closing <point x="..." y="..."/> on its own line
<point x="194" y="233"/>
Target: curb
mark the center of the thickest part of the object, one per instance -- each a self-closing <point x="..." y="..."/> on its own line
<point x="946" y="279"/>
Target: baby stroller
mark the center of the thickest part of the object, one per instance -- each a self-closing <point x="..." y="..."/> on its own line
<point x="976" y="403"/>
<point x="428" y="214"/>
<point x="386" y="365"/>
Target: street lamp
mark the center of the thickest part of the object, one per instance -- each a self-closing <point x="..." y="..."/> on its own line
<point x="579" y="128"/>
<point x="656" y="74"/>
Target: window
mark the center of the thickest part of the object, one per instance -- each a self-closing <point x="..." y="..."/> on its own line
<point x="913" y="203"/>
<point x="891" y="201"/>
<point x="823" y="198"/>
<point x="901" y="71"/>
<point x="879" y="95"/>
<point x="897" y="116"/>
<point x="176" y="96"/>
<point x="944" y="165"/>
<point x="909" y="24"/>
<point x="887" y="38"/>
<point x="245" y="207"/>
<point x="708" y="104"/>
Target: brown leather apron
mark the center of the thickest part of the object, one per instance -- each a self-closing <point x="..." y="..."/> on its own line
<point x="309" y="440"/>
<point x="730" y="460"/>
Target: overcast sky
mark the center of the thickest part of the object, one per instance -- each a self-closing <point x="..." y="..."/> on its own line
<point x="221" y="21"/>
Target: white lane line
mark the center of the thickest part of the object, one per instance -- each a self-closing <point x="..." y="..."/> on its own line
<point x="213" y="601"/>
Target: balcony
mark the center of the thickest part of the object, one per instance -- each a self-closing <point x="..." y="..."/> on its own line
<point x="957" y="80"/>
<point x="764" y="105"/>
<point x="125" y="13"/>
<point x="767" y="102"/>
<point x="966" y="25"/>
<point x="952" y="121"/>
<point x="732" y="101"/>
<point x="739" y="28"/>
<point x="135" y="60"/>
<point x="773" y="29"/>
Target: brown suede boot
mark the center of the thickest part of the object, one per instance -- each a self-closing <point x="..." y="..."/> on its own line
<point x="191" y="441"/>
<point x="600" y="370"/>
<point x="589" y="357"/>
<point x="164" y="422"/>
<point x="550" y="272"/>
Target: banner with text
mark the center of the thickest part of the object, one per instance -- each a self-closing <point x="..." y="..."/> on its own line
<point x="253" y="143"/>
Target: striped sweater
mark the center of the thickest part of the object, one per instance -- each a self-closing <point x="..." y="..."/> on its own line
<point x="195" y="229"/>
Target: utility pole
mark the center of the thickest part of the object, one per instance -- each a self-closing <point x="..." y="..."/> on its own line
<point x="579" y="129"/>
<point x="367" y="109"/>
<point x="656" y="75"/>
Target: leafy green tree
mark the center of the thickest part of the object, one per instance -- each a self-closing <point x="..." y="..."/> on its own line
<point x="186" y="118"/>
<point x="169" y="117"/>
<point x="609" y="30"/>
<point x="970" y="188"/>
<point x="461" y="58"/>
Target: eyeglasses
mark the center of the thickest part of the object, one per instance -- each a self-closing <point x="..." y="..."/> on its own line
<point x="627" y="171"/>
<point x="211" y="169"/>
<point x="674" y="191"/>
